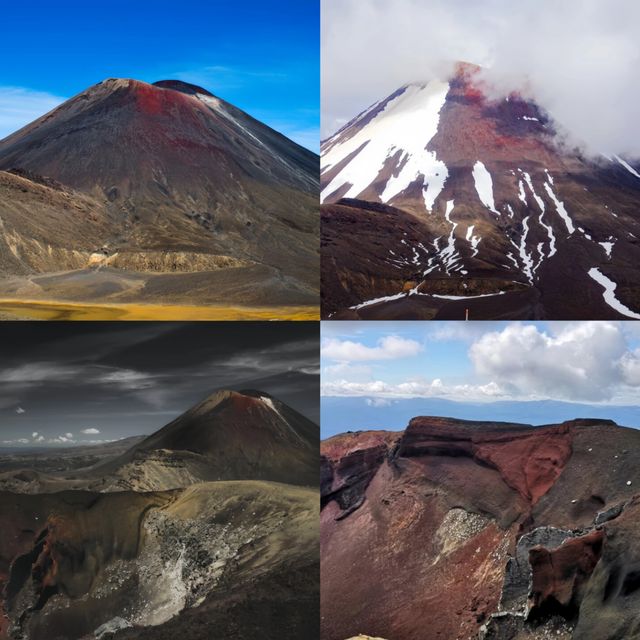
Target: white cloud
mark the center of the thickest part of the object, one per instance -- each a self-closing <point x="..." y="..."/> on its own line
<point x="581" y="361"/>
<point x="378" y="402"/>
<point x="344" y="368"/>
<point x="310" y="371"/>
<point x="35" y="434"/>
<point x="388" y="348"/>
<point x="370" y="48"/>
<point x="127" y="378"/>
<point x="19" y="106"/>
<point x="35" y="372"/>
<point x="414" y="389"/>
<point x="65" y="439"/>
<point x="630" y="368"/>
<point x="20" y="410"/>
<point x="91" y="431"/>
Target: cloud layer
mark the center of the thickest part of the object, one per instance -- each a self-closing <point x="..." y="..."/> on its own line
<point x="577" y="362"/>
<point x="577" y="58"/>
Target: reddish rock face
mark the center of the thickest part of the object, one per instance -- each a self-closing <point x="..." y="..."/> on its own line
<point x="505" y="207"/>
<point x="347" y="465"/>
<point x="559" y="575"/>
<point x="529" y="463"/>
<point x="436" y="521"/>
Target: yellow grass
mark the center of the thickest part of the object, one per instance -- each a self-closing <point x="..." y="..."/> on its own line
<point x="53" y="310"/>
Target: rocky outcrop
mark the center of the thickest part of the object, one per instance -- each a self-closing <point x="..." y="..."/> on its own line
<point x="559" y="575"/>
<point x="345" y="470"/>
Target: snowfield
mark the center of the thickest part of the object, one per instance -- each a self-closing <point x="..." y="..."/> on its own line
<point x="401" y="131"/>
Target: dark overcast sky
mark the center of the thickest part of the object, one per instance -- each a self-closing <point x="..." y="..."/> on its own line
<point x="123" y="379"/>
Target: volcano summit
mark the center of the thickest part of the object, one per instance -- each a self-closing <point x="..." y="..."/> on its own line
<point x="460" y="201"/>
<point x="154" y="193"/>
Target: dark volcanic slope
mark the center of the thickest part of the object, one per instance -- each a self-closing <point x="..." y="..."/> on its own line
<point x="485" y="530"/>
<point x="508" y="212"/>
<point x="45" y="226"/>
<point x="177" y="170"/>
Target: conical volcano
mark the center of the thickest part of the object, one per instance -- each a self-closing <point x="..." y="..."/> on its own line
<point x="463" y="200"/>
<point x="180" y="181"/>
<point x="230" y="435"/>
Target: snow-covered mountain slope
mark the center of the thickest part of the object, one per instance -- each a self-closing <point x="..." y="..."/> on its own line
<point x="505" y="209"/>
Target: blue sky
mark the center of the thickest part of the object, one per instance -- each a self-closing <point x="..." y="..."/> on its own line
<point x="261" y="56"/>
<point x="532" y="372"/>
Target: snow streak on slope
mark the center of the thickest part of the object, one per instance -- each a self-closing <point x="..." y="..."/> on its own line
<point x="215" y="104"/>
<point x="628" y="167"/>
<point x="560" y="208"/>
<point x="448" y="254"/>
<point x="540" y="203"/>
<point x="401" y="131"/>
<point x="484" y="186"/>
<point x="474" y="241"/>
<point x="527" y="260"/>
<point x="609" y="294"/>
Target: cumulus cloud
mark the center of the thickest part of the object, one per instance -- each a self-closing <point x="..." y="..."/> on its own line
<point x="387" y="348"/>
<point x="91" y="431"/>
<point x="583" y="361"/>
<point x="577" y="58"/>
<point x="593" y="362"/>
<point x="630" y="368"/>
<point x="67" y="438"/>
<point x="20" y="411"/>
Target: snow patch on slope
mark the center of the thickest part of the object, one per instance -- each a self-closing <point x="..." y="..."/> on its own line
<point x="474" y="241"/>
<point x="484" y="186"/>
